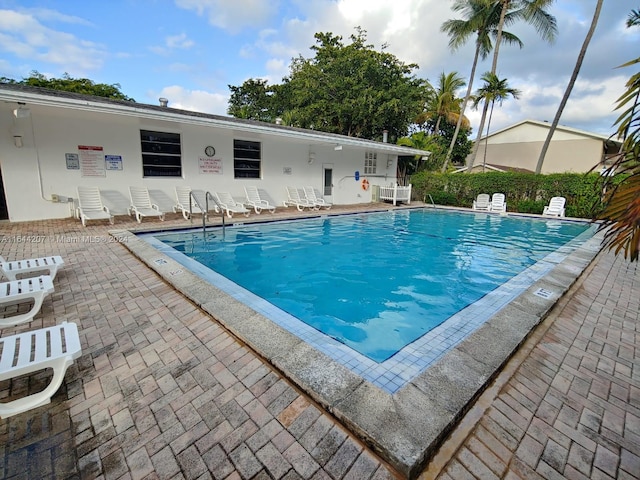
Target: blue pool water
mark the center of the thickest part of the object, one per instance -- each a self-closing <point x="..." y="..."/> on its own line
<point x="378" y="282"/>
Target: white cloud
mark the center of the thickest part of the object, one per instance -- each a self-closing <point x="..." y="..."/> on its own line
<point x="194" y="100"/>
<point x="232" y="16"/>
<point x="179" y="41"/>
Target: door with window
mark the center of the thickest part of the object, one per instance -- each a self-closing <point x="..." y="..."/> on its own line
<point x="327" y="190"/>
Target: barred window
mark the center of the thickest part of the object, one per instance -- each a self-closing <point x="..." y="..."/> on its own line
<point x="161" y="154"/>
<point x="247" y="159"/>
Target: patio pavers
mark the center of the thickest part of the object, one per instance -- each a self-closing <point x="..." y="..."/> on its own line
<point x="161" y="391"/>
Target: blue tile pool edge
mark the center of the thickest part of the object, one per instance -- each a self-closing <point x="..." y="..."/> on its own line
<point x="405" y="427"/>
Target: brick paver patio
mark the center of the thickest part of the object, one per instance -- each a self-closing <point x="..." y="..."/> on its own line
<point x="162" y="391"/>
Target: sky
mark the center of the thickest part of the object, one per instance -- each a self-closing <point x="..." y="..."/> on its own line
<point x="190" y="51"/>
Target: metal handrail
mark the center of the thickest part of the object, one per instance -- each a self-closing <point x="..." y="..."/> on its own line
<point x="208" y="195"/>
<point x="205" y="210"/>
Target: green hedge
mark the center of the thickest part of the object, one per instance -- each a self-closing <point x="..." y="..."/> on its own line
<point x="525" y="192"/>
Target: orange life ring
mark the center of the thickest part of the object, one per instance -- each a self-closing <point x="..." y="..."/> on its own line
<point x="365" y="184"/>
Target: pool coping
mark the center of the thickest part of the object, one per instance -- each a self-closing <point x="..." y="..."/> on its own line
<point x="404" y="428"/>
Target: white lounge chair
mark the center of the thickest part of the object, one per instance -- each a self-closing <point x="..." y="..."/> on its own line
<point x="53" y="347"/>
<point x="185" y="203"/>
<point x="555" y="207"/>
<point x="310" y="194"/>
<point x="141" y="204"/>
<point x="498" y="203"/>
<point x="90" y="206"/>
<point x="22" y="291"/>
<point x="29" y="266"/>
<point x="482" y="202"/>
<point x="294" y="199"/>
<point x="254" y="200"/>
<point x="226" y="201"/>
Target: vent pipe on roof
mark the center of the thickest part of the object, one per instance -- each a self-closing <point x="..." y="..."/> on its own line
<point x="385" y="136"/>
<point x="163" y="101"/>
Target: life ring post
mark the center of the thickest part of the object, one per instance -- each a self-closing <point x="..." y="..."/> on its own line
<point x="365" y="184"/>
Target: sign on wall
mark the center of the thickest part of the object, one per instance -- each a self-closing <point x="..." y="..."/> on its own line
<point x="91" y="161"/>
<point x="113" y="162"/>
<point x="73" y="161"/>
<point x="210" y="165"/>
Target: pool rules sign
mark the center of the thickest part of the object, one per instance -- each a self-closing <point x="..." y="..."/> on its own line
<point x="91" y="161"/>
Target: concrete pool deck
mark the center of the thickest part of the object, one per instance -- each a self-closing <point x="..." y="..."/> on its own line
<point x="162" y="391"/>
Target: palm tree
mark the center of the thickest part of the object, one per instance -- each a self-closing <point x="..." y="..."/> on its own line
<point x="572" y="81"/>
<point x="621" y="215"/>
<point x="531" y="11"/>
<point x="481" y="17"/>
<point x="494" y="90"/>
<point x="443" y="104"/>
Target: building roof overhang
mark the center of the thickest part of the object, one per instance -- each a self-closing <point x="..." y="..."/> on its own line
<point x="20" y="94"/>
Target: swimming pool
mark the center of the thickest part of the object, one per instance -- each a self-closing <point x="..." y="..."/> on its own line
<point x="385" y="294"/>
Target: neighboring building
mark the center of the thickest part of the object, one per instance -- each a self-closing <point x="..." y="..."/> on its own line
<point x="54" y="141"/>
<point x="518" y="147"/>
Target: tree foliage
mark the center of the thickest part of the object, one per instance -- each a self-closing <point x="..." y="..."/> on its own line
<point x="350" y="89"/>
<point x="621" y="215"/>
<point x="70" y="84"/>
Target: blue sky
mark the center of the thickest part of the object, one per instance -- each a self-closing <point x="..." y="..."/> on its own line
<point x="189" y="51"/>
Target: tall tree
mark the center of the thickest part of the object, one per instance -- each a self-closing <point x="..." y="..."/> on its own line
<point x="251" y="100"/>
<point x="532" y="12"/>
<point x="572" y="81"/>
<point x="494" y="90"/>
<point x="481" y="18"/>
<point x="621" y="215"/>
<point x="443" y="103"/>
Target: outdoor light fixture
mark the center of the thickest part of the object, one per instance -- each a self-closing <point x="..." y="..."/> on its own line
<point x="312" y="157"/>
<point x="389" y="161"/>
<point x="17" y="141"/>
<point x="337" y="147"/>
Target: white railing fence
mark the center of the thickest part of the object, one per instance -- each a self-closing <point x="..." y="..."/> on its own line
<point x="396" y="193"/>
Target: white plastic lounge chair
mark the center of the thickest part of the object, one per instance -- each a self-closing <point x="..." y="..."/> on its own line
<point x="141" y="204"/>
<point x="310" y="194"/>
<point x="29" y="266"/>
<point x="53" y="347"/>
<point x="294" y="199"/>
<point x="254" y="200"/>
<point x="497" y="203"/>
<point x="20" y="291"/>
<point x="482" y="202"/>
<point x="90" y="206"/>
<point x="555" y="207"/>
<point x="183" y="199"/>
<point x="229" y="205"/>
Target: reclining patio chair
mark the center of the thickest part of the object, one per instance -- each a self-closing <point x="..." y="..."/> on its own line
<point x="555" y="207"/>
<point x="497" y="203"/>
<point x="229" y="205"/>
<point x="90" y="206"/>
<point x="26" y="290"/>
<point x="185" y="203"/>
<point x="482" y="202"/>
<point x="53" y="347"/>
<point x="294" y="199"/>
<point x="29" y="266"/>
<point x="254" y="200"/>
<point x="141" y="204"/>
<point x="310" y="194"/>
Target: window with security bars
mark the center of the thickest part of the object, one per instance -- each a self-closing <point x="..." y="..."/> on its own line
<point x="161" y="154"/>
<point x="370" y="163"/>
<point x="247" y="159"/>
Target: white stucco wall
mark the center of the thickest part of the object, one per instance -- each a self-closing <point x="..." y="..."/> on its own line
<point x="33" y="173"/>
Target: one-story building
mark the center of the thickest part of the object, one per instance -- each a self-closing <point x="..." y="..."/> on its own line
<point x="518" y="147"/>
<point x="55" y="141"/>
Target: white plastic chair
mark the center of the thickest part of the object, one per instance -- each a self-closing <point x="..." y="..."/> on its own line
<point x="228" y="204"/>
<point x="294" y="199"/>
<point x="29" y="266"/>
<point x="53" y="347"/>
<point x="498" y="203"/>
<point x="141" y="204"/>
<point x="254" y="200"/>
<point x="482" y="202"/>
<point x="90" y="206"/>
<point x="184" y="203"/>
<point x="15" y="292"/>
<point x="310" y="194"/>
<point x="555" y="207"/>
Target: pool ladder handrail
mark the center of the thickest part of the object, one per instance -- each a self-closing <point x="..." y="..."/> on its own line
<point x="205" y="211"/>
